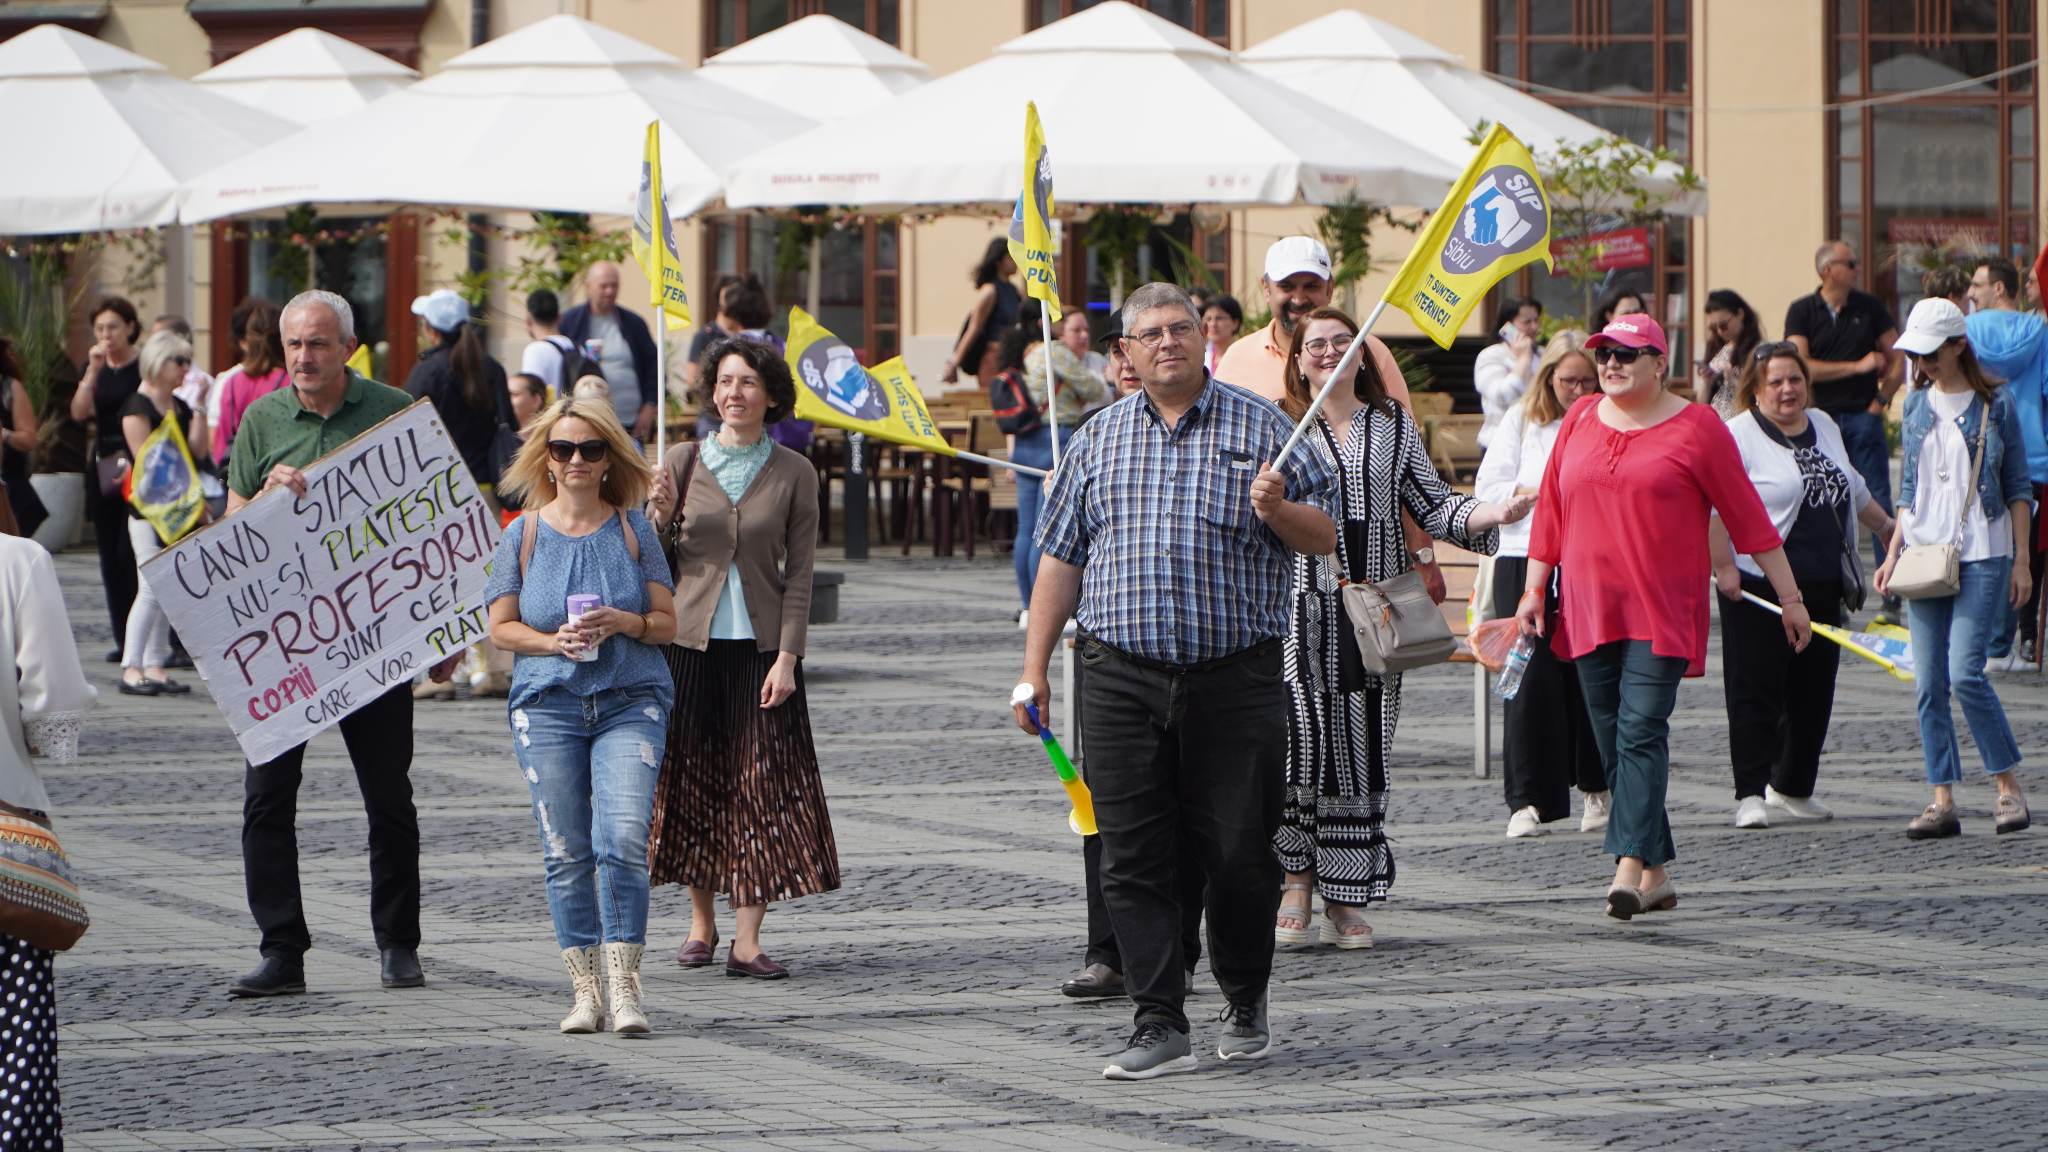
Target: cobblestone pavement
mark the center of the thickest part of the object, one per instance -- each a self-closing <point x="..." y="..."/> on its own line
<point x="1829" y="986"/>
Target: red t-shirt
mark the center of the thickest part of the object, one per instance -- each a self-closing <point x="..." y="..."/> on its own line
<point x="1624" y="514"/>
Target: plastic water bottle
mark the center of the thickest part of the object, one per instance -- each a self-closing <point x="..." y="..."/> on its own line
<point x="1510" y="681"/>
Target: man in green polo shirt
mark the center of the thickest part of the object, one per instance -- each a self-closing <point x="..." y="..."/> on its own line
<point x="326" y="406"/>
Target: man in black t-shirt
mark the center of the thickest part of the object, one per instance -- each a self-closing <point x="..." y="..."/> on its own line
<point x="1846" y="335"/>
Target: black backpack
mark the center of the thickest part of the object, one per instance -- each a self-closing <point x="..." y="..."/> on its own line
<point x="575" y="365"/>
<point x="1015" y="411"/>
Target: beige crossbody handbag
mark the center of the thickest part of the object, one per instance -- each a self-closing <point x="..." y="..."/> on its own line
<point x="1396" y="625"/>
<point x="1931" y="571"/>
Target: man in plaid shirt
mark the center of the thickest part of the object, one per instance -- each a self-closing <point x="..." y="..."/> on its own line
<point x="1169" y="531"/>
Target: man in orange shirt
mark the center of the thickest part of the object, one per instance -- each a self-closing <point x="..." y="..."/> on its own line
<point x="1297" y="282"/>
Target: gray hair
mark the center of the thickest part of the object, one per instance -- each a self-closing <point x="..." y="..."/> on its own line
<point x="1825" y="254"/>
<point x="343" y="314"/>
<point x="160" y="347"/>
<point x="1157" y="294"/>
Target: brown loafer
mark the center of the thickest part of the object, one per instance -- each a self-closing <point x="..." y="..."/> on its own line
<point x="696" y="953"/>
<point x="759" y="968"/>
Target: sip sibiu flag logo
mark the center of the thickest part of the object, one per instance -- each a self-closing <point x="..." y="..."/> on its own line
<point x="1495" y="220"/>
<point x="1505" y="214"/>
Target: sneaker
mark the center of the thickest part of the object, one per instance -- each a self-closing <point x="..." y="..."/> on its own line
<point x="1245" y="1033"/>
<point x="2010" y="662"/>
<point x="1594" y="819"/>
<point x="2010" y="813"/>
<point x="1797" y="807"/>
<point x="1023" y="619"/>
<point x="1936" y="823"/>
<point x="1751" y="813"/>
<point x="1525" y="822"/>
<point x="1155" y="1050"/>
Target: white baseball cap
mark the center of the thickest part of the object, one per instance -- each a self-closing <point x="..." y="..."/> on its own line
<point x="1934" y="322"/>
<point x="1292" y="254"/>
<point x="442" y="309"/>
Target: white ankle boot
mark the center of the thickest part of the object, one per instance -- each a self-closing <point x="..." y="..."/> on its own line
<point x="588" y="1014"/>
<point x="622" y="976"/>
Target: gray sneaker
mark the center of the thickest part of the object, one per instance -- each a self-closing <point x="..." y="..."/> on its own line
<point x="1935" y="823"/>
<point x="1155" y="1050"/>
<point x="1245" y="1033"/>
<point x="2011" y="813"/>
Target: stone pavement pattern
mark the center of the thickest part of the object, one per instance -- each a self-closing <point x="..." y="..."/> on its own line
<point x="1829" y="986"/>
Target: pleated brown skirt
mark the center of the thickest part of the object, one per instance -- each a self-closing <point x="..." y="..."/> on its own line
<point x="739" y="808"/>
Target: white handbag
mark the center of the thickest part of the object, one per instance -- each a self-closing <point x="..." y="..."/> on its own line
<point x="1932" y="571"/>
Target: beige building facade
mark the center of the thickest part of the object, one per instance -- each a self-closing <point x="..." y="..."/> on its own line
<point x="1766" y="98"/>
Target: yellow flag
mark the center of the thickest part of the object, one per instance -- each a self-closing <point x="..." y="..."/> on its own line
<point x="834" y="390"/>
<point x="163" y="485"/>
<point x="1495" y="221"/>
<point x="1030" y="222"/>
<point x="360" y="360"/>
<point x="654" y="236"/>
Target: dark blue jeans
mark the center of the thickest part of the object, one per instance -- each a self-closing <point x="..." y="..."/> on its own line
<point x="1630" y="692"/>
<point x="1032" y="449"/>
<point x="1863" y="439"/>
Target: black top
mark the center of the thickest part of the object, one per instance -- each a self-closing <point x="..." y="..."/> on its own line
<point x="472" y="429"/>
<point x="1850" y="334"/>
<point x="110" y="395"/>
<point x="1814" y="546"/>
<point x="1003" y="315"/>
<point x="141" y="405"/>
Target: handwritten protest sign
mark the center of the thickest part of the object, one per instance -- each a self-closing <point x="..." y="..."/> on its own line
<point x="298" y="610"/>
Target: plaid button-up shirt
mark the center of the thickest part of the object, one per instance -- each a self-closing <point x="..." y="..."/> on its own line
<point x="1176" y="566"/>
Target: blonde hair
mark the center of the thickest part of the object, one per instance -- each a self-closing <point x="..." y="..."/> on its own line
<point x="161" y="346"/>
<point x="1540" y="405"/>
<point x="626" y="476"/>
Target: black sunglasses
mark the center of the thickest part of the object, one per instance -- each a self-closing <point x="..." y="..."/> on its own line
<point x="1622" y="356"/>
<point x="592" y="450"/>
<point x="182" y="361"/>
<point x="1774" y="348"/>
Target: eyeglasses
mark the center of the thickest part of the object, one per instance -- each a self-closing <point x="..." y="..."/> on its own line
<point x="1774" y="348"/>
<point x="1622" y="356"/>
<point x="592" y="450"/>
<point x="1320" y="345"/>
<point x="1152" y="337"/>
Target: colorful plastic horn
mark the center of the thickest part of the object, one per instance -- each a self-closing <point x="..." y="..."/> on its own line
<point x="1081" y="817"/>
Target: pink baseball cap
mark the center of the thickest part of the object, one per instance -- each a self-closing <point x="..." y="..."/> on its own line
<point x="1631" y="330"/>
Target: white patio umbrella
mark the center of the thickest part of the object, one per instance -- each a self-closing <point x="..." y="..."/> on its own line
<point x="307" y="76"/>
<point x="1418" y="92"/>
<point x="99" y="138"/>
<point x="1136" y="110"/>
<point x="819" y="67"/>
<point x="550" y="117"/>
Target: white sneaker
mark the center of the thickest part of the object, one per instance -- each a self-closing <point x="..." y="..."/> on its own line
<point x="2010" y="662"/>
<point x="1751" y="813"/>
<point x="1023" y="619"/>
<point x="1797" y="807"/>
<point x="1525" y="822"/>
<point x="1594" y="818"/>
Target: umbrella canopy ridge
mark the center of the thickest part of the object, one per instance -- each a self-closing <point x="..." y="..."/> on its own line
<point x="1426" y="96"/>
<point x="307" y="75"/>
<point x="106" y="137"/>
<point x="819" y="67"/>
<point x="938" y="144"/>
<point x="536" y="120"/>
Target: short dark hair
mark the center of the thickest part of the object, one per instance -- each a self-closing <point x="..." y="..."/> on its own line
<point x="544" y="306"/>
<point x="1947" y="282"/>
<point x="1511" y="310"/>
<point x="1229" y="304"/>
<point x="175" y="323"/>
<point x="532" y="383"/>
<point x="746" y="301"/>
<point x="2003" y="272"/>
<point x="119" y="306"/>
<point x="766" y="362"/>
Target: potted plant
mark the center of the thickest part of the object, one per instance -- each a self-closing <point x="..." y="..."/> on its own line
<point x="35" y="311"/>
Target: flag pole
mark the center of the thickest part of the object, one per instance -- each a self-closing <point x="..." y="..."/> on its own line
<point x="661" y="383"/>
<point x="1012" y="465"/>
<point x="1345" y="367"/>
<point x="1052" y="382"/>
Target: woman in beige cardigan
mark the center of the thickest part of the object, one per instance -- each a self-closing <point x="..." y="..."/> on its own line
<point x="739" y="808"/>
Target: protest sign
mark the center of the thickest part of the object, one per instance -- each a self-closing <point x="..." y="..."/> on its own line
<point x="298" y="610"/>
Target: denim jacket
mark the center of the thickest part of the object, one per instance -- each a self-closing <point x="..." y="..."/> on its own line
<point x="2001" y="478"/>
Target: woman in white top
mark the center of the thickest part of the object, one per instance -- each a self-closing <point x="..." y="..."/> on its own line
<point x="1547" y="741"/>
<point x="1954" y="416"/>
<point x="1502" y="371"/>
<point x="1780" y="701"/>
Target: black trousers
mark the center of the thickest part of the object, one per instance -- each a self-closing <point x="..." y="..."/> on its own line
<point x="379" y="739"/>
<point x="1187" y="760"/>
<point x="1547" y="745"/>
<point x="1102" y="947"/>
<point x="1779" y="701"/>
<point x="117" y="556"/>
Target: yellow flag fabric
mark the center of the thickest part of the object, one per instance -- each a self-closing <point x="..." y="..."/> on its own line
<point x="834" y="390"/>
<point x="360" y="360"/>
<point x="1495" y="221"/>
<point x="163" y="485"/>
<point x="1030" y="222"/>
<point x="654" y="236"/>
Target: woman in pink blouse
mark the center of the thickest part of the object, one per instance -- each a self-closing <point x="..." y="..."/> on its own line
<point x="1624" y="505"/>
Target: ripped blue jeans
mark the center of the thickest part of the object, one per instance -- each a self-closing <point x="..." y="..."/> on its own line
<point x="591" y="763"/>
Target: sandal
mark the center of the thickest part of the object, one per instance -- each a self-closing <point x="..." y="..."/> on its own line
<point x="1345" y="927"/>
<point x="1303" y="914"/>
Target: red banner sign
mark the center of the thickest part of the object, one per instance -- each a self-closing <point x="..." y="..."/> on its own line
<point x="1623" y="248"/>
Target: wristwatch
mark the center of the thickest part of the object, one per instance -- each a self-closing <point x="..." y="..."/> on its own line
<point x="1425" y="555"/>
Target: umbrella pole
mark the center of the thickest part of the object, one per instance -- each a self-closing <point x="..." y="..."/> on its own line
<point x="1052" y="382"/>
<point x="814" y="297"/>
<point x="1344" y="369"/>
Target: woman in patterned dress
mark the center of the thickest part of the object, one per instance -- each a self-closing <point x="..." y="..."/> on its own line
<point x="1332" y="835"/>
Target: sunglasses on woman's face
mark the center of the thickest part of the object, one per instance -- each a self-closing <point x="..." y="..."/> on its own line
<point x="561" y="450"/>
<point x="1775" y="348"/>
<point x="1618" y="355"/>
<point x="182" y="361"/>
